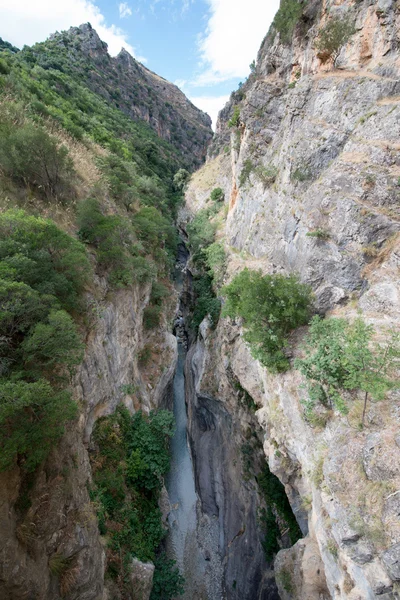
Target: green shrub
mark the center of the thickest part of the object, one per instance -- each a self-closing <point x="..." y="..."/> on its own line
<point x="4" y="68"/>
<point x="216" y="261"/>
<point x="319" y="233"/>
<point x="130" y="460"/>
<point x="234" y="121"/>
<point x="42" y="269"/>
<point x="35" y="251"/>
<point x="301" y="174"/>
<point x="271" y="306"/>
<point x="333" y="36"/>
<point x="32" y="419"/>
<point x="206" y="302"/>
<point x="115" y="241"/>
<point x="217" y="195"/>
<point x="29" y="155"/>
<point x="181" y="179"/>
<point x="247" y="169"/>
<point x="201" y="232"/>
<point x="342" y="356"/>
<point x="151" y="317"/>
<point x="52" y="345"/>
<point x="267" y="174"/>
<point x="287" y="17"/>
<point x="167" y="581"/>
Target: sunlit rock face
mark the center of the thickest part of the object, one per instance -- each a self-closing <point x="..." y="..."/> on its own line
<point x="311" y="181"/>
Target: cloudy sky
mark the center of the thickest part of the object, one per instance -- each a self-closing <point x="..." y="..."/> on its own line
<point x="204" y="46"/>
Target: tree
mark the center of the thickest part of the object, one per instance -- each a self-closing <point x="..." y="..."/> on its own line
<point x="181" y="179"/>
<point x="53" y="345"/>
<point x="271" y="306"/>
<point x="30" y="155"/>
<point x="333" y="36"/>
<point x="32" y="419"/>
<point x="342" y="356"/>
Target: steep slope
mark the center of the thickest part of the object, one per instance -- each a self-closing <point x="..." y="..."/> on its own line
<point x="131" y="87"/>
<point x="306" y="154"/>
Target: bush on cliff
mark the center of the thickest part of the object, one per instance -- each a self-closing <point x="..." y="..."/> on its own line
<point x="340" y="357"/>
<point x="42" y="272"/>
<point x="271" y="306"/>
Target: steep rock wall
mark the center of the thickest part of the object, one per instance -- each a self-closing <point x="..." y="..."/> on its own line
<point x="316" y="150"/>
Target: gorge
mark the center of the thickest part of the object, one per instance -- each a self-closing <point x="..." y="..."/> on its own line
<point x="273" y="492"/>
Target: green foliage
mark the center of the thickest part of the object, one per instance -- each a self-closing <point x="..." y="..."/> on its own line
<point x="333" y="36"/>
<point x="181" y="179"/>
<point x="4" y="68"/>
<point x="247" y="169"/>
<point x="28" y="154"/>
<point x="52" y="344"/>
<point x="151" y="317"/>
<point x="277" y="505"/>
<point x="42" y="272"/>
<point x="215" y="258"/>
<point x="130" y="461"/>
<point x="271" y="306"/>
<point x="115" y="240"/>
<point x="342" y="356"/>
<point x="157" y="235"/>
<point x="217" y="195"/>
<point x="206" y="302"/>
<point x="301" y="174"/>
<point x="286" y="18"/>
<point x="32" y="419"/>
<point x="201" y="232"/>
<point x="267" y="174"/>
<point x="252" y="67"/>
<point x="34" y="251"/>
<point x="319" y="233"/>
<point x="167" y="581"/>
<point x="234" y="121"/>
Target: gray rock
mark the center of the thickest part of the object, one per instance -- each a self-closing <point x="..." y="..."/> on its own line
<point x="391" y="560"/>
<point x="141" y="579"/>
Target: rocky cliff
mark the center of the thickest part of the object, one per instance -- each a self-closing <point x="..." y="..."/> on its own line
<point x="306" y="152"/>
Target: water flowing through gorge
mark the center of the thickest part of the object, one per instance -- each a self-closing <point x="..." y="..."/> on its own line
<point x="181" y="489"/>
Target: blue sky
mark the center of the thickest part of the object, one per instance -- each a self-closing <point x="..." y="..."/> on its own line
<point x="204" y="46"/>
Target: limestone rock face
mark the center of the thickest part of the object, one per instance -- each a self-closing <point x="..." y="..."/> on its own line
<point x="311" y="182"/>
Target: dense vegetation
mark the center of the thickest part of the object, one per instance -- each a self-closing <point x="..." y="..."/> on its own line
<point x="209" y="259"/>
<point x="42" y="274"/>
<point x="130" y="459"/>
<point x="271" y="306"/>
<point x="287" y="17"/>
<point x="342" y="356"/>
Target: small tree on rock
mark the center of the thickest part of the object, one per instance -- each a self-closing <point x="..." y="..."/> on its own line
<point x="332" y="37"/>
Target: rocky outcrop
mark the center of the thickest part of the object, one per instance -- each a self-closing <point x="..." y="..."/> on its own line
<point x="143" y="95"/>
<point x="311" y="186"/>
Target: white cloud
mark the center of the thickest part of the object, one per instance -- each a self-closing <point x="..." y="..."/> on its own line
<point x="26" y="21"/>
<point x="124" y="10"/>
<point x="210" y="104"/>
<point x="232" y="38"/>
